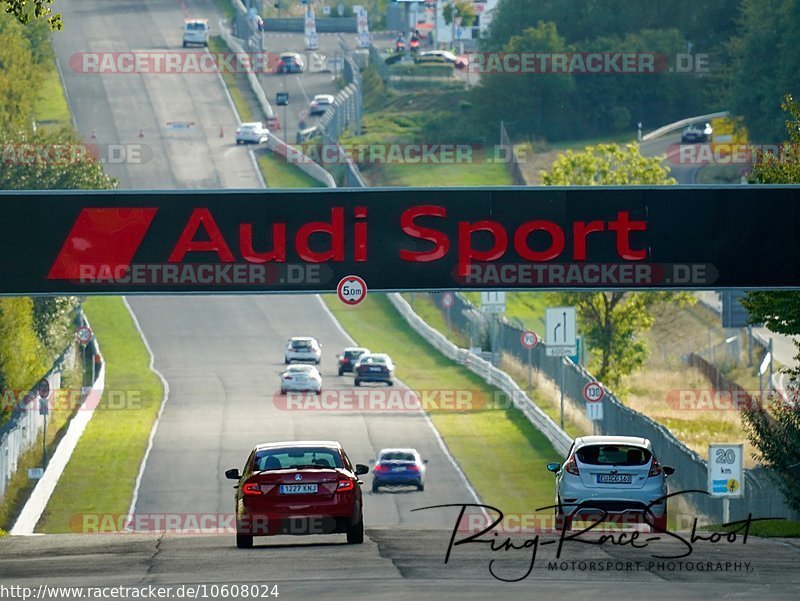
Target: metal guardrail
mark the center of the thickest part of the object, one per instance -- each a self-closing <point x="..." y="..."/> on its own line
<point x="513" y="165"/>
<point x="491" y="375"/>
<point x="682" y="123"/>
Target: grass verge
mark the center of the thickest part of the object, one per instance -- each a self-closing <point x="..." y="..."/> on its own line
<point x="480" y="439"/>
<point x="767" y="529"/>
<point x="101" y="474"/>
<point x="50" y="108"/>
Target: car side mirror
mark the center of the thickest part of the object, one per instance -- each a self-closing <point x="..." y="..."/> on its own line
<point x="554" y="467"/>
<point x="424" y="461"/>
<point x="668" y="470"/>
<point x="361" y="469"/>
<point x="233" y="474"/>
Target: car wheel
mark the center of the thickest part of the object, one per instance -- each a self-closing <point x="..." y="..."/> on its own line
<point x="357" y="382"/>
<point x="563" y="522"/>
<point x="244" y="541"/>
<point x="390" y="382"/>
<point x="283" y="391"/>
<point x="185" y="44"/>
<point x="341" y="373"/>
<point x="286" y="361"/>
<point x="355" y="533"/>
<point x="420" y="486"/>
<point x="317" y="361"/>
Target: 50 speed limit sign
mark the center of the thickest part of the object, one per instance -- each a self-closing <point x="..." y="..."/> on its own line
<point x="351" y="290"/>
<point x="593" y="392"/>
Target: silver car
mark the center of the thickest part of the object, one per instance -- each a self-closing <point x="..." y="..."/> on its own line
<point x="301" y="378"/>
<point x="617" y="475"/>
<point x="302" y="348"/>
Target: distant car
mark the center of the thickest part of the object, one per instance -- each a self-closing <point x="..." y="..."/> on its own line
<point x="616" y="474"/>
<point x="303" y="348"/>
<point x="282" y="98"/>
<point x="301" y="378"/>
<point x="298" y="488"/>
<point x="399" y="467"/>
<point x="320" y="104"/>
<point x="291" y="62"/>
<point x="441" y="56"/>
<point x="195" y="31"/>
<point x="251" y="133"/>
<point x="349" y="357"/>
<point x="374" y="367"/>
<point x="696" y="133"/>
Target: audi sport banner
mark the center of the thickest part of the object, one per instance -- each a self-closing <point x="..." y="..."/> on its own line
<point x="485" y="238"/>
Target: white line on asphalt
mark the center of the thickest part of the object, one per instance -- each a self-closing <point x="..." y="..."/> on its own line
<point x="160" y="410"/>
<point x="303" y="90"/>
<point x="436" y="434"/>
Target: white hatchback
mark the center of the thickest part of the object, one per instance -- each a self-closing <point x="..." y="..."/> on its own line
<point x="251" y="133"/>
<point x="302" y="348"/>
<point x="611" y="477"/>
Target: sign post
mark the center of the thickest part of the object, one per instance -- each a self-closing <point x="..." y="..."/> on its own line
<point x="494" y="303"/>
<point x="560" y="338"/>
<point x="43" y="390"/>
<point x="447" y="303"/>
<point x="726" y="474"/>
<point x="593" y="393"/>
<point x="529" y="340"/>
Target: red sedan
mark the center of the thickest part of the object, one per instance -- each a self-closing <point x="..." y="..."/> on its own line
<point x="298" y="488"/>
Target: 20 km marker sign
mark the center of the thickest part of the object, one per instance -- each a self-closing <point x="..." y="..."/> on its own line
<point x="593" y="392"/>
<point x="351" y="290"/>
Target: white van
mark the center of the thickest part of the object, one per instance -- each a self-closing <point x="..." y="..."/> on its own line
<point x="195" y="31"/>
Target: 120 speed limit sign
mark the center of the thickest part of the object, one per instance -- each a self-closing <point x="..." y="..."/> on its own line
<point x="351" y="290"/>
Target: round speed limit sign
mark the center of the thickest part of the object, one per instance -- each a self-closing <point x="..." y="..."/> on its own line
<point x="593" y="392"/>
<point x="351" y="290"/>
<point x="84" y="335"/>
<point x="529" y="339"/>
<point x="447" y="300"/>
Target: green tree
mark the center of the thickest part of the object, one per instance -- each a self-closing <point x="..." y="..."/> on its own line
<point x="23" y="10"/>
<point x="460" y="8"/>
<point x="613" y="322"/>
<point x="535" y="104"/>
<point x="607" y="165"/>
<point x="776" y="434"/>
<point x="23" y="360"/>
<point x="765" y="64"/>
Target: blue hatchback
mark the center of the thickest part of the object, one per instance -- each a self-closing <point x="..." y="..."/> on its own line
<point x="399" y="467"/>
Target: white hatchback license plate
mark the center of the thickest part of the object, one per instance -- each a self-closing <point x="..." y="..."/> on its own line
<point x="398" y="469"/>
<point x="374" y="368"/>
<point x="298" y="489"/>
<point x="614" y="478"/>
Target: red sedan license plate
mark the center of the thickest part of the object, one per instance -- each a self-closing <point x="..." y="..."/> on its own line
<point x="298" y="489"/>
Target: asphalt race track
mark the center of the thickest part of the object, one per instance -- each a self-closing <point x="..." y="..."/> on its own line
<point x="221" y="356"/>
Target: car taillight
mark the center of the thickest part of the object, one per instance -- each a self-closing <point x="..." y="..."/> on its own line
<point x="655" y="469"/>
<point x="345" y="485"/>
<point x="380" y="469"/>
<point x="251" y="488"/>
<point x="287" y="377"/>
<point x="572" y="466"/>
<point x="345" y="360"/>
<point x="412" y="468"/>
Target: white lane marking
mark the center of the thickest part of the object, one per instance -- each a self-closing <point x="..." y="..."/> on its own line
<point x="436" y="434"/>
<point x="252" y="155"/>
<point x="303" y="90"/>
<point x="164" y="399"/>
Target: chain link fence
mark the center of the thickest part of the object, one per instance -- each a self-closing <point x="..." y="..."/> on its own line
<point x="761" y="497"/>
